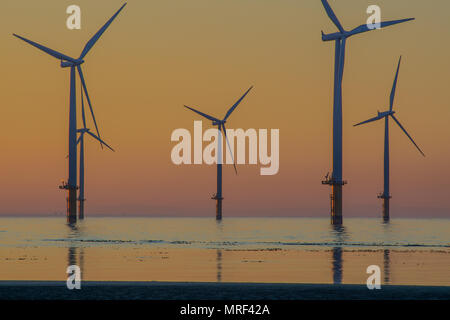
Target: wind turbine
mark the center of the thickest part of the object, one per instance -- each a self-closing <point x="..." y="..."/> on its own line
<point x="75" y="66"/>
<point x="221" y="126"/>
<point x="80" y="141"/>
<point x="386" y="114"/>
<point x="340" y="39"/>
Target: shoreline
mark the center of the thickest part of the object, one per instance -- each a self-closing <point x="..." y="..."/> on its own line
<point x="155" y="290"/>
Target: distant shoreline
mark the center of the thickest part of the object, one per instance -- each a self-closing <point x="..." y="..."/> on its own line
<point x="321" y="217"/>
<point x="110" y="290"/>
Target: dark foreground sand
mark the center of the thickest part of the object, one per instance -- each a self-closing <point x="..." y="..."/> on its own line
<point x="90" y="290"/>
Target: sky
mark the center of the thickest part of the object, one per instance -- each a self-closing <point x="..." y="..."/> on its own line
<point x="158" y="55"/>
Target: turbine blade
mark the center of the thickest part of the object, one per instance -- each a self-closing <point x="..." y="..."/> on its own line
<point x="229" y="147"/>
<point x="82" y="109"/>
<point x="342" y="61"/>
<point x="370" y="120"/>
<point x="99" y="33"/>
<point x="404" y="130"/>
<point x="100" y="140"/>
<point x="236" y="104"/>
<point x="394" y="85"/>
<point x="80" y="72"/>
<point x="332" y="16"/>
<point x="203" y="114"/>
<point x="79" y="138"/>
<point x="364" y="28"/>
<point x="49" y="51"/>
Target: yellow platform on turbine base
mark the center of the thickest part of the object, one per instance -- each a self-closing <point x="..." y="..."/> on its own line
<point x="332" y="182"/>
<point x="65" y="186"/>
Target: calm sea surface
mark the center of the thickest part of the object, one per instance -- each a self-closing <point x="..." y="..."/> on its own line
<point x="298" y="250"/>
<point x="242" y="233"/>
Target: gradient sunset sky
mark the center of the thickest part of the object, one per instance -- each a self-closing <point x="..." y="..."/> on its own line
<point x="158" y="55"/>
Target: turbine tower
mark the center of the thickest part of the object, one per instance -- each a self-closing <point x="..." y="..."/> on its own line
<point x="75" y="66"/>
<point x="221" y="126"/>
<point x="80" y="141"/>
<point x="385" y="195"/>
<point x="340" y="38"/>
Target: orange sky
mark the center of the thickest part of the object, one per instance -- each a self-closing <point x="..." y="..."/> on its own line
<point x="159" y="55"/>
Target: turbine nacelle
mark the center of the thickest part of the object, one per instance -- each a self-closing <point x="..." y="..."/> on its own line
<point x="334" y="36"/>
<point x="385" y="113"/>
<point x="67" y="64"/>
<point x="218" y="123"/>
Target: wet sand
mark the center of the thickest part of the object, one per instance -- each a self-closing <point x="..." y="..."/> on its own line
<point x="272" y="265"/>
